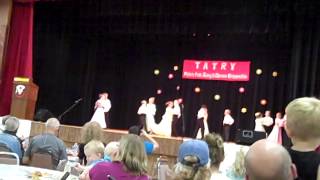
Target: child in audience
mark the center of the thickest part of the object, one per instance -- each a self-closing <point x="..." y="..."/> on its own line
<point x="237" y="171"/>
<point x="216" y="152"/>
<point x="90" y="131"/>
<point x="303" y="127"/>
<point x="94" y="152"/>
<point x="111" y="150"/>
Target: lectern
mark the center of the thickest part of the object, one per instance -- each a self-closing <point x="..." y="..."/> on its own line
<point x="24" y="98"/>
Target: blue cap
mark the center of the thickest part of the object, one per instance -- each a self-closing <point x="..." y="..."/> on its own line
<point x="196" y="148"/>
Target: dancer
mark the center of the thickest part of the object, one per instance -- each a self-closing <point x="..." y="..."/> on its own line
<point x="175" y="118"/>
<point x="267" y="121"/>
<point x="164" y="127"/>
<point x="102" y="108"/>
<point x="142" y="111"/>
<point x="262" y="121"/>
<point x="151" y="112"/>
<point x="259" y="122"/>
<point x="227" y="123"/>
<point x="202" y="117"/>
<point x="276" y="133"/>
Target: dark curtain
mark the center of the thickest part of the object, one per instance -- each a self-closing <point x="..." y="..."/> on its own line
<point x="305" y="68"/>
<point x="85" y="47"/>
<point x="18" y="59"/>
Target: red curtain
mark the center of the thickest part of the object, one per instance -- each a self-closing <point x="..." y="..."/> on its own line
<point x="18" y="59"/>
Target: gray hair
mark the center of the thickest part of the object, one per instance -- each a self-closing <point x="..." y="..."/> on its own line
<point x="52" y="123"/>
<point x="11" y="124"/>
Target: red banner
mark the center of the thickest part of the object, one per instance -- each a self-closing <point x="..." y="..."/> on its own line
<point x="216" y="70"/>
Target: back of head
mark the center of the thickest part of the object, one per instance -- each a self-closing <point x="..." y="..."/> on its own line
<point x="193" y="161"/>
<point x="11" y="124"/>
<point x="112" y="149"/>
<point x="132" y="153"/>
<point x="52" y="125"/>
<point x="91" y="130"/>
<point x="268" y="161"/>
<point x="94" y="147"/>
<point x="303" y="118"/>
<point x="135" y="130"/>
<point x="216" y="148"/>
<point x="238" y="168"/>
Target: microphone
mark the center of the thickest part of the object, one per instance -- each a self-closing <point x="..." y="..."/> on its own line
<point x="78" y="100"/>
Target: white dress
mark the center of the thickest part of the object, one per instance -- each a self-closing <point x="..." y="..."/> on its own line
<point x="164" y="127"/>
<point x="101" y="106"/>
<point x="150" y="112"/>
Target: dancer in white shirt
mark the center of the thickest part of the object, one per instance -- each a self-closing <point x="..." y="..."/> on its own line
<point x="262" y="121"/>
<point x="227" y="123"/>
<point x="202" y="124"/>
<point x="102" y="108"/>
<point x="142" y="111"/>
<point x="150" y="113"/>
<point x="176" y="117"/>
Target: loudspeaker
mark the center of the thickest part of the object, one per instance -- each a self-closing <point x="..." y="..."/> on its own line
<point x="248" y="137"/>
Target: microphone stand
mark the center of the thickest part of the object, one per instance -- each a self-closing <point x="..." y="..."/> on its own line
<point x="69" y="109"/>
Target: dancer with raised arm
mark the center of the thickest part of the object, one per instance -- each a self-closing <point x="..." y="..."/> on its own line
<point x="102" y="108"/>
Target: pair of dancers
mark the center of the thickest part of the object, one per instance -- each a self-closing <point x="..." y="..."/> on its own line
<point x="168" y="123"/>
<point x="102" y="108"/>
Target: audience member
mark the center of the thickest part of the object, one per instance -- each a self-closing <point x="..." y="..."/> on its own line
<point x="216" y="153"/>
<point x="193" y="161"/>
<point x="94" y="151"/>
<point x="150" y="144"/>
<point x="269" y="161"/>
<point x="131" y="162"/>
<point x="90" y="131"/>
<point x="111" y="150"/>
<point x="303" y="127"/>
<point x="47" y="142"/>
<point x="237" y="170"/>
<point x="9" y="138"/>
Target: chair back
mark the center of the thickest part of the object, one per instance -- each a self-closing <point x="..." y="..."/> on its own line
<point x="9" y="158"/>
<point x="4" y="148"/>
<point x="42" y="160"/>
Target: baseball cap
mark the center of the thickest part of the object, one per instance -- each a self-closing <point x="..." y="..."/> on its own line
<point x="196" y="148"/>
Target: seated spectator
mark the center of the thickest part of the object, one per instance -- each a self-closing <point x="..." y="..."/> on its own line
<point x="90" y="131"/>
<point x="237" y="170"/>
<point x="47" y="142"/>
<point x="94" y="151"/>
<point x="303" y="127"/>
<point x="216" y="152"/>
<point x="193" y="161"/>
<point x="131" y="162"/>
<point x="111" y="150"/>
<point x="150" y="144"/>
<point x="269" y="161"/>
<point x="9" y="138"/>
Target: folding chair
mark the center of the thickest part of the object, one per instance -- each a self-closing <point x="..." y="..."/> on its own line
<point x="42" y="160"/>
<point x="9" y="158"/>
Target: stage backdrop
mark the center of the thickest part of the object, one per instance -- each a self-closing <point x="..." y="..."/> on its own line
<point x="85" y="47"/>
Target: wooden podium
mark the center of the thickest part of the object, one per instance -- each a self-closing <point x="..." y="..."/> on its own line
<point x="24" y="98"/>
